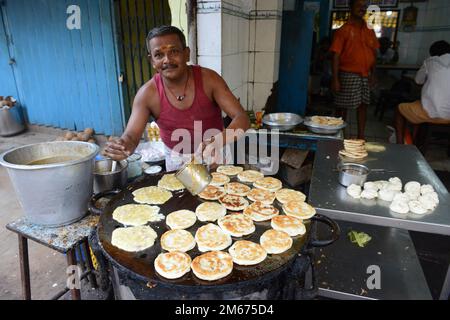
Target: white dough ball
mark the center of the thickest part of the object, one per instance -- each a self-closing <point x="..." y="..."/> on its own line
<point x="426" y="188"/>
<point x="412" y="195"/>
<point x="401" y="197"/>
<point x="416" y="207"/>
<point x="399" y="207"/>
<point x="395" y="180"/>
<point x="412" y="186"/>
<point x="369" y="194"/>
<point x="370" y="186"/>
<point x="354" y="191"/>
<point x="428" y="201"/>
<point x="387" y="195"/>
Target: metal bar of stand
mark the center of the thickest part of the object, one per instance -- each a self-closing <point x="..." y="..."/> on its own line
<point x="71" y="261"/>
<point x="24" y="268"/>
<point x="90" y="268"/>
<point x="65" y="290"/>
<point x="445" y="292"/>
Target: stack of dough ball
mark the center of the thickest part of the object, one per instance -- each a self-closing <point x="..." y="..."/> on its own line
<point x="418" y="199"/>
<point x="86" y="136"/>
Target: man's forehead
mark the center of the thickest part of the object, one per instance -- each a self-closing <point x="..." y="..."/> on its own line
<point x="165" y="42"/>
<point x="165" y="47"/>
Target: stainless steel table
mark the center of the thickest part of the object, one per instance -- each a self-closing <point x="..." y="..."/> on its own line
<point x="405" y="162"/>
<point x="297" y="139"/>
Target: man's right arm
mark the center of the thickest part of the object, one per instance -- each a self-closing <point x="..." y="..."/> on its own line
<point x="421" y="75"/>
<point x="336" y="85"/>
<point x="125" y="146"/>
<point x="337" y="46"/>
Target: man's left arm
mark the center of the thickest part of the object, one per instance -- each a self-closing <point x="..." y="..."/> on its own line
<point x="229" y="104"/>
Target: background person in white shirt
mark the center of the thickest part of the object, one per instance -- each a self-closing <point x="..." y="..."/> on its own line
<point x="434" y="106"/>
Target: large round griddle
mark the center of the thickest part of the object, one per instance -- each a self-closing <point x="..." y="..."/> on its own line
<point x="140" y="264"/>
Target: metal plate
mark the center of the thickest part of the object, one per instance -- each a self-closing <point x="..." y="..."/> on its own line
<point x="140" y="264"/>
<point x="282" y="121"/>
<point x="320" y="129"/>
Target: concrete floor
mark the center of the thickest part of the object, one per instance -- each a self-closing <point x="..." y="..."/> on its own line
<point x="48" y="267"/>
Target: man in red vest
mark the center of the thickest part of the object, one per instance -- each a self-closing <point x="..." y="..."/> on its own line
<point x="185" y="101"/>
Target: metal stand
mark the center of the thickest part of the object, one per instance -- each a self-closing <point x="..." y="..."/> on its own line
<point x="71" y="240"/>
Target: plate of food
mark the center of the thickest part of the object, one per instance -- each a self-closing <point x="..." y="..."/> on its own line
<point x="324" y="125"/>
<point x="151" y="152"/>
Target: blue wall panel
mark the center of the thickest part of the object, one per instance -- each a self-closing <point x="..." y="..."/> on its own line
<point x="67" y="78"/>
<point x="7" y="82"/>
<point x="295" y="56"/>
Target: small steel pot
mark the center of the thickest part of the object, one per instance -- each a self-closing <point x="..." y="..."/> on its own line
<point x="105" y="180"/>
<point x="352" y="173"/>
<point x="194" y="176"/>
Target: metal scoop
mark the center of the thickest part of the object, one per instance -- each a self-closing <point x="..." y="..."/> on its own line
<point x="194" y="176"/>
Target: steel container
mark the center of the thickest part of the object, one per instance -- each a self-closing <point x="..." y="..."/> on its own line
<point x="352" y="173"/>
<point x="194" y="176"/>
<point x="55" y="190"/>
<point x="105" y="179"/>
<point x="11" y="122"/>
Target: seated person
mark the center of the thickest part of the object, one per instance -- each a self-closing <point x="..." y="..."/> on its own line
<point x="434" y="106"/>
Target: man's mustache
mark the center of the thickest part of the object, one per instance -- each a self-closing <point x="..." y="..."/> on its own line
<point x="169" y="66"/>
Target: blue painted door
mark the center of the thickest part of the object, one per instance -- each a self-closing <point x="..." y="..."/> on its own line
<point x="295" y="56"/>
<point x="7" y="81"/>
<point x="66" y="78"/>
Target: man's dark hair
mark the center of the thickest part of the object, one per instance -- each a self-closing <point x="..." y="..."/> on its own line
<point x="163" y="31"/>
<point x="351" y="3"/>
<point x="439" y="48"/>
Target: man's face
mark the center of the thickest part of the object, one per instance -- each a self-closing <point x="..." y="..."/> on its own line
<point x="359" y="8"/>
<point x="168" y="56"/>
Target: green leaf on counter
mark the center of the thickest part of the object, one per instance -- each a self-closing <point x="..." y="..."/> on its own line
<point x="360" y="238"/>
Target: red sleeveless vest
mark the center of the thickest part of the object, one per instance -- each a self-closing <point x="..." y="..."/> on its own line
<point x="202" y="109"/>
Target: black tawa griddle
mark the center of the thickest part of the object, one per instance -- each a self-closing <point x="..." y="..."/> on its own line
<point x="140" y="266"/>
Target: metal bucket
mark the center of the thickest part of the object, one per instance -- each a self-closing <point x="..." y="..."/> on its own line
<point x="52" y="180"/>
<point x="105" y="179"/>
<point x="11" y="121"/>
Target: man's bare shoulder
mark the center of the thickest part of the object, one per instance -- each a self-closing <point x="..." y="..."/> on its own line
<point x="148" y="89"/>
<point x="148" y="93"/>
<point x="210" y="74"/>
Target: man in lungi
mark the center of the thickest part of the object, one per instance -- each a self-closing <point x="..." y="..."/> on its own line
<point x="354" y="51"/>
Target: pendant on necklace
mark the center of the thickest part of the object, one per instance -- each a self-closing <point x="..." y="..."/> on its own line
<point x="181" y="98"/>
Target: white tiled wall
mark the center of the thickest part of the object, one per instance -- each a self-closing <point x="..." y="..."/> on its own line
<point x="265" y="35"/>
<point x="433" y="24"/>
<point x="240" y="39"/>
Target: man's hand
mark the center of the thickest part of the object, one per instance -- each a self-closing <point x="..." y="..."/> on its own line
<point x="336" y="85"/>
<point x="210" y="152"/>
<point x="118" y="149"/>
